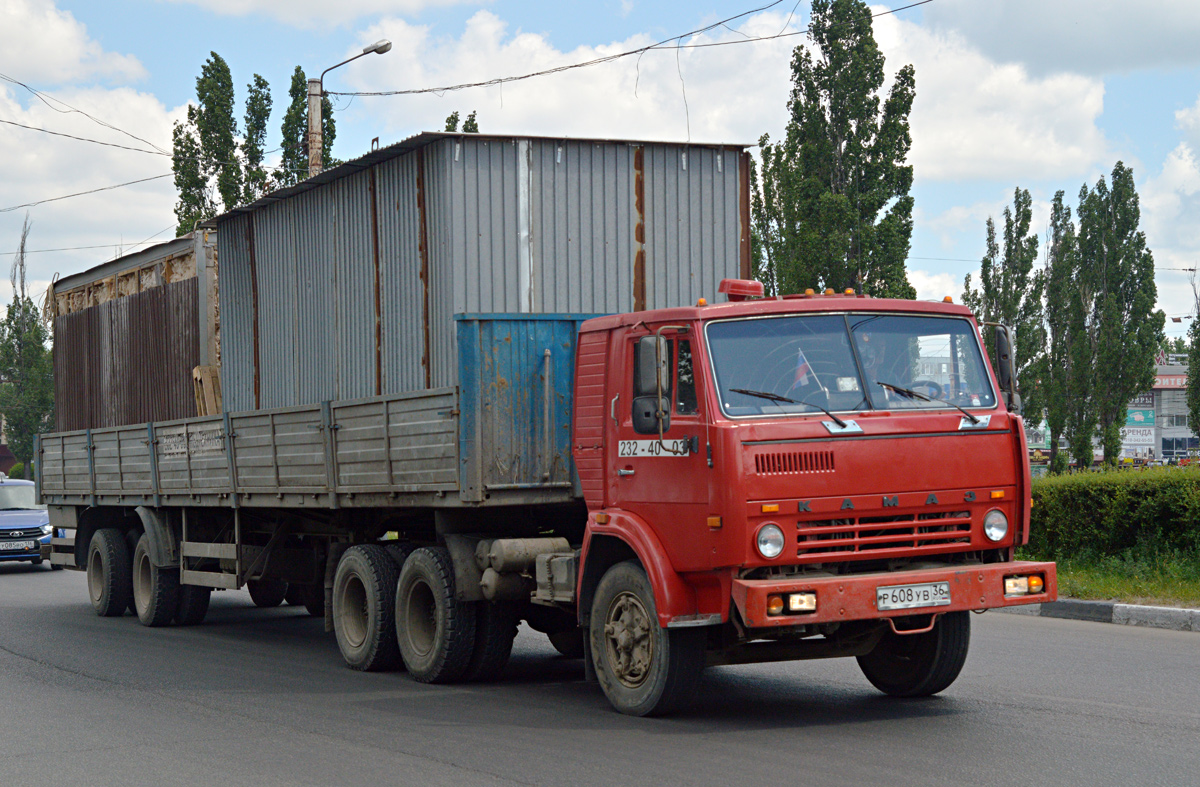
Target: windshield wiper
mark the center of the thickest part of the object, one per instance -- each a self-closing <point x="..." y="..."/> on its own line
<point x="910" y="393"/>
<point x="774" y="397"/>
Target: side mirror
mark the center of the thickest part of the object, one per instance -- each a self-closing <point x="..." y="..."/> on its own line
<point x="645" y="414"/>
<point x="1006" y="369"/>
<point x="652" y="375"/>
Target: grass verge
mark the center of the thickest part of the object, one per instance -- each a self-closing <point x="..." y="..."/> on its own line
<point x="1170" y="580"/>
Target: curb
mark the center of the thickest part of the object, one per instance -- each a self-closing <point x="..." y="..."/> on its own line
<point x="1173" y="618"/>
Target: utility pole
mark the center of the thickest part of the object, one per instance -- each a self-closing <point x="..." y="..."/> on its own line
<point x="316" y="91"/>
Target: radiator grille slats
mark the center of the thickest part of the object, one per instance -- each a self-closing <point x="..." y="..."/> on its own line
<point x="789" y="462"/>
<point x="857" y="535"/>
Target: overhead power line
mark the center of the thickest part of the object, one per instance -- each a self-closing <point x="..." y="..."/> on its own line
<point x="610" y="58"/>
<point x="81" y="193"/>
<point x="81" y="139"/>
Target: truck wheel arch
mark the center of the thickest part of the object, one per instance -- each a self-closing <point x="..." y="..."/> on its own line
<point x="627" y="538"/>
<point x="93" y="518"/>
<point x="164" y="544"/>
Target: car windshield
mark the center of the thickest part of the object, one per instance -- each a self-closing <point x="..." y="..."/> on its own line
<point x="761" y="363"/>
<point x="17" y="496"/>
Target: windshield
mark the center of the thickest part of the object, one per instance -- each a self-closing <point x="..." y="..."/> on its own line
<point x="809" y="360"/>
<point x="17" y="496"/>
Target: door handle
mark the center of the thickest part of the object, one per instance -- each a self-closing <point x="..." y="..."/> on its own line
<point x="625" y="472"/>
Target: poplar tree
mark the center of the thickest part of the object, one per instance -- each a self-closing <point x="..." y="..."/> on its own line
<point x="1193" y="353"/>
<point x="293" y="165"/>
<point x="258" y="112"/>
<point x="1064" y="319"/>
<point x="833" y="207"/>
<point x="1117" y="281"/>
<point x="1011" y="292"/>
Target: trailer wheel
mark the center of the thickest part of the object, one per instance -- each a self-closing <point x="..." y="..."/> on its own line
<point x="364" y="612"/>
<point x="267" y="593"/>
<point x="495" y="630"/>
<point x="918" y="665"/>
<point x="193" y="605"/>
<point x="310" y="595"/>
<point x="644" y="669"/>
<point x="109" y="579"/>
<point x="569" y="643"/>
<point x="435" y="630"/>
<point x="155" y="589"/>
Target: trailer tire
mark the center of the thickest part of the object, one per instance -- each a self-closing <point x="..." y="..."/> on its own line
<point x="644" y="669"/>
<point x="435" y="630"/>
<point x="569" y="643"/>
<point x="109" y="578"/>
<point x="193" y="605"/>
<point x="155" y="589"/>
<point x="495" y="630"/>
<point x="310" y="595"/>
<point x="919" y="665"/>
<point x="267" y="593"/>
<point x="364" y="612"/>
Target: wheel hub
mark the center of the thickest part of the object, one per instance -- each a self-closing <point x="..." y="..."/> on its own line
<point x="629" y="643"/>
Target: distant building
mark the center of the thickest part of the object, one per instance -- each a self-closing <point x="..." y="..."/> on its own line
<point x="1167" y="432"/>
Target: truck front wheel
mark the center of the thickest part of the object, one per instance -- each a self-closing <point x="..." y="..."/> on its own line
<point x="435" y="630"/>
<point x="109" y="578"/>
<point x="919" y="665"/>
<point x="364" y="612"/>
<point x="155" y="589"/>
<point x="193" y="605"/>
<point x="644" y="669"/>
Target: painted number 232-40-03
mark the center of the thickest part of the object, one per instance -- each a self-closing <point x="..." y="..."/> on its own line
<point x="652" y="448"/>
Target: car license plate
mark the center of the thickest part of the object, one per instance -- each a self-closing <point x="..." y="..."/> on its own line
<point x="13" y="546"/>
<point x="930" y="594"/>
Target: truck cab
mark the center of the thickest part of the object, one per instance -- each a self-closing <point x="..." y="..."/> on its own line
<point x="799" y="476"/>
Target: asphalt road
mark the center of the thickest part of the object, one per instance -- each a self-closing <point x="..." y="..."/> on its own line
<point x="261" y="697"/>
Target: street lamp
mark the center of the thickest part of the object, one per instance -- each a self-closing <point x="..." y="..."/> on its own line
<point x="316" y="90"/>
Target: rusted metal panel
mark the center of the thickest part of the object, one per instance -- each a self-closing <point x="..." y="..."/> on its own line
<point x="129" y="359"/>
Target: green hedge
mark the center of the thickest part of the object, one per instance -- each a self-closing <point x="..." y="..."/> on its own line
<point x="17" y="471"/>
<point x="1118" y="512"/>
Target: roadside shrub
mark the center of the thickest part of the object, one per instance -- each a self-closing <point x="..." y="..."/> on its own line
<point x="17" y="471"/>
<point x="1132" y="514"/>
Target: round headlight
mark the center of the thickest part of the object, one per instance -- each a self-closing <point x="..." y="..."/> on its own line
<point x="995" y="525"/>
<point x="769" y="541"/>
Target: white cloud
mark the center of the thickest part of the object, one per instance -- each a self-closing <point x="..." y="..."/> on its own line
<point x="1078" y="36"/>
<point x="310" y="13"/>
<point x="934" y="286"/>
<point x="977" y="118"/>
<point x="733" y="93"/>
<point x="41" y="45"/>
<point x="1170" y="202"/>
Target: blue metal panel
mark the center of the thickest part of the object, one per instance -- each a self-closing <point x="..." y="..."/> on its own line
<point x="508" y="438"/>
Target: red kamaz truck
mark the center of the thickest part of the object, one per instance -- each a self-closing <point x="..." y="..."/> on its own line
<point x="766" y="479"/>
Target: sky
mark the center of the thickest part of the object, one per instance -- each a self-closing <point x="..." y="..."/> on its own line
<point x="1021" y="93"/>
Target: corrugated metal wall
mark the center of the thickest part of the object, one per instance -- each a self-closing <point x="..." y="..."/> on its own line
<point x="128" y="360"/>
<point x="511" y="226"/>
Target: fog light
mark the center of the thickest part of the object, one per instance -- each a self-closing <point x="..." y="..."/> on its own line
<point x="995" y="525"/>
<point x="774" y="605"/>
<point x="802" y="602"/>
<point x="1016" y="586"/>
<point x="769" y="541"/>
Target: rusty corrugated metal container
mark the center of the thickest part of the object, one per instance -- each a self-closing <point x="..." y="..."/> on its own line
<point x="128" y="334"/>
<point x="347" y="284"/>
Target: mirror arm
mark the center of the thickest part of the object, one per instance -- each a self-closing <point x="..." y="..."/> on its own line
<point x="658" y="365"/>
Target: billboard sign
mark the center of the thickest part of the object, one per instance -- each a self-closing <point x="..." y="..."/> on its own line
<point x="1139" y="418"/>
<point x="1143" y="400"/>
<point x="1137" y="436"/>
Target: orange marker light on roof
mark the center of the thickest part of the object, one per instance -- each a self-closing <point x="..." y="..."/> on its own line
<point x="810" y="291"/>
<point x="829" y="291"/>
<point x="701" y="302"/>
<point x="849" y="290"/>
<point x="947" y="299"/>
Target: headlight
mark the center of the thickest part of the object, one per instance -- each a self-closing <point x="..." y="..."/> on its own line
<point x="995" y="525"/>
<point x="769" y="541"/>
<point x="47" y="530"/>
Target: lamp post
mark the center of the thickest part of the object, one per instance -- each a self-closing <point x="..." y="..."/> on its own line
<point x="316" y="90"/>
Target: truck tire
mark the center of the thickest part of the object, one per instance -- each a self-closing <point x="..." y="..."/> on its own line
<point x="364" y="611"/>
<point x="193" y="605"/>
<point x="109" y="579"/>
<point x="267" y="593"/>
<point x="919" y="665"/>
<point x="309" y="595"/>
<point x="155" y="589"/>
<point x="435" y="630"/>
<point x="495" y="630"/>
<point x="568" y="643"/>
<point x="644" y="669"/>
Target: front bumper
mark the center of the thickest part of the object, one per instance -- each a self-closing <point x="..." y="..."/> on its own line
<point x="852" y="597"/>
<point x="41" y="550"/>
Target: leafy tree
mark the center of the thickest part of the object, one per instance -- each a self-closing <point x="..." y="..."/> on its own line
<point x="469" y="126"/>
<point x="217" y="128"/>
<point x="258" y="112"/>
<point x="834" y="209"/>
<point x="1193" y="351"/>
<point x="26" y="367"/>
<point x="1011" y="293"/>
<point x="1064" y="322"/>
<point x="195" y="200"/>
<point x="1176" y="346"/>
<point x="1117" y="281"/>
<point x="293" y="165"/>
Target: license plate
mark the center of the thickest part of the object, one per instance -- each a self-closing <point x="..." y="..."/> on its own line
<point x="13" y="546"/>
<point x="930" y="594"/>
